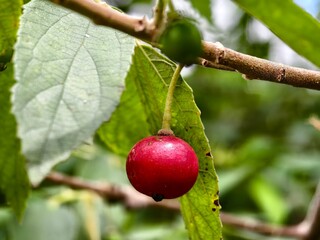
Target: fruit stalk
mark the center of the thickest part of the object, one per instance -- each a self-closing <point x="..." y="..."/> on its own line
<point x="167" y="109"/>
<point x="159" y="13"/>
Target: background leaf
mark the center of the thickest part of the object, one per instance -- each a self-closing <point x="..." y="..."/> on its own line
<point x="204" y="8"/>
<point x="290" y="23"/>
<point x="70" y="76"/>
<point x="13" y="177"/>
<point x="45" y="221"/>
<point x="151" y="73"/>
<point x="268" y="199"/>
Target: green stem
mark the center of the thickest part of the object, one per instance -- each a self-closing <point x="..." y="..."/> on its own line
<point x="171" y="6"/>
<point x="159" y="13"/>
<point x="167" y="109"/>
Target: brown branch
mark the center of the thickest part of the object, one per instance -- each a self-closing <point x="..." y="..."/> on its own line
<point x="216" y="54"/>
<point x="311" y="223"/>
<point x="127" y="195"/>
<point x="257" y="68"/>
<point x="262" y="228"/>
<point x="130" y="198"/>
<point x="315" y="122"/>
<point x="209" y="64"/>
<point x="102" y="14"/>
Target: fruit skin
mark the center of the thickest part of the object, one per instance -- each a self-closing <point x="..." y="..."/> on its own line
<point x="181" y="41"/>
<point x="162" y="167"/>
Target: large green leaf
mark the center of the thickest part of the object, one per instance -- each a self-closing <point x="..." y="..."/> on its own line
<point x="70" y="76"/>
<point x="127" y="124"/>
<point x="151" y="74"/>
<point x="289" y="22"/>
<point x="13" y="177"/>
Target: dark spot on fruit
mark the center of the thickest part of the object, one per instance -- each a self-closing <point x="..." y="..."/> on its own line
<point x="213" y="209"/>
<point x="216" y="202"/>
<point x="157" y="197"/>
<point x="208" y="154"/>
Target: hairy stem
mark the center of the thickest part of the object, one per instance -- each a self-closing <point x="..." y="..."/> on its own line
<point x="159" y="13"/>
<point x="167" y="109"/>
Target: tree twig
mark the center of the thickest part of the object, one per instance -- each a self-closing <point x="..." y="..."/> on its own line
<point x="262" y="228"/>
<point x="215" y="53"/>
<point x="311" y="223"/>
<point x="140" y="28"/>
<point x="315" y="122"/>
<point x="130" y="198"/>
<point x="261" y="69"/>
<point x="127" y="195"/>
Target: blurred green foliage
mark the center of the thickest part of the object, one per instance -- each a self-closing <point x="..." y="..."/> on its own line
<point x="266" y="153"/>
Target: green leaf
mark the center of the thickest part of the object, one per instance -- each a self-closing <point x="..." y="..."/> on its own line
<point x="151" y="74"/>
<point x="10" y="12"/>
<point x="70" y="75"/>
<point x="269" y="199"/>
<point x="45" y="221"/>
<point x="13" y="177"/>
<point x="290" y="23"/>
<point x="120" y="138"/>
<point x="203" y="7"/>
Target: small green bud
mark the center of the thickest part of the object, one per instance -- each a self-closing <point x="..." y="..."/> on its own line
<point x="181" y="42"/>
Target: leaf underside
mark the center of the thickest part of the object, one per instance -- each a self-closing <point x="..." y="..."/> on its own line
<point x="70" y="75"/>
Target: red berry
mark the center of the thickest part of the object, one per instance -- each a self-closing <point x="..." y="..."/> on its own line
<point x="162" y="167"/>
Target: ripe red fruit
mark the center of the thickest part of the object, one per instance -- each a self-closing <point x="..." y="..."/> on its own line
<point x="162" y="167"/>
